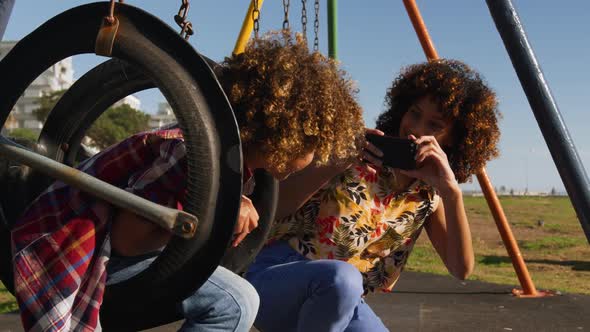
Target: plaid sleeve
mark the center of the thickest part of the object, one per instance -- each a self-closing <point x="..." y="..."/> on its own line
<point x="59" y="246"/>
<point x="164" y="180"/>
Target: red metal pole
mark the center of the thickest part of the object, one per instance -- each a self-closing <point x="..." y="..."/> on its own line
<point x="486" y="185"/>
<point x="528" y="287"/>
<point x="420" y="28"/>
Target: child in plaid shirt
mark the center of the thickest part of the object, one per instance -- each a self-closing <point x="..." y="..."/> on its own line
<point x="292" y="107"/>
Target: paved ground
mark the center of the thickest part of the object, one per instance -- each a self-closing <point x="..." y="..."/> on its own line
<point x="424" y="302"/>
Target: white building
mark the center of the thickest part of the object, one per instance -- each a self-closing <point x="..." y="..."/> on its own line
<point x="164" y="116"/>
<point x="60" y="76"/>
<point x="130" y="100"/>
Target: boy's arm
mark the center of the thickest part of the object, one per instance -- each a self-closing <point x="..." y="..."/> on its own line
<point x="161" y="178"/>
<point x="299" y="187"/>
<point x="132" y="235"/>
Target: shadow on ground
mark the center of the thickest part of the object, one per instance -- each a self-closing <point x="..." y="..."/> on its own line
<point x="576" y="265"/>
<point x="425" y="302"/>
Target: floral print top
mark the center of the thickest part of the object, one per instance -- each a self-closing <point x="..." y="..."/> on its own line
<point x="360" y="218"/>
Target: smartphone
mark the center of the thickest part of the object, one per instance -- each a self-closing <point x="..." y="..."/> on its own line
<point x="397" y="152"/>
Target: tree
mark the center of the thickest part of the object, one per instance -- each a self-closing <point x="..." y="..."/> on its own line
<point x="116" y="124"/>
<point x="24" y="133"/>
<point x="511" y="192"/>
<point x="502" y="189"/>
<point x="46" y="103"/>
<point x="553" y="191"/>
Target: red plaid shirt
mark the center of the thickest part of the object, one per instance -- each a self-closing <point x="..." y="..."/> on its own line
<point x="61" y="245"/>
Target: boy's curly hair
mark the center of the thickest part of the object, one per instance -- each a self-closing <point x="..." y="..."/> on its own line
<point x="289" y="102"/>
<point x="463" y="97"/>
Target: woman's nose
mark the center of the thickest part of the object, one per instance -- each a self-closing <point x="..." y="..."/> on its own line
<point x="418" y="129"/>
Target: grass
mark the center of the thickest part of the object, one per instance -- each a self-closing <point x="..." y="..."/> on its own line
<point x="557" y="253"/>
<point x="7" y="301"/>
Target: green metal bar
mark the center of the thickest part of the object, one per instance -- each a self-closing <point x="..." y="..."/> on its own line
<point x="333" y="29"/>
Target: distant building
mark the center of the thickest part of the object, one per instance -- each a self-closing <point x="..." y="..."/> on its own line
<point x="58" y="77"/>
<point x="476" y="193"/>
<point x="130" y="100"/>
<point x="163" y="116"/>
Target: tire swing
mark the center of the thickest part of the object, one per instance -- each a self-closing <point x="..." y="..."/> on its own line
<point x="214" y="160"/>
<point x="88" y="98"/>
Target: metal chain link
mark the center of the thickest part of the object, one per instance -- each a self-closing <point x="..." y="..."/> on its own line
<point x="304" y="19"/>
<point x="110" y="18"/>
<point x="256" y="18"/>
<point x="316" y="26"/>
<point x="286" y="18"/>
<point x="186" y="27"/>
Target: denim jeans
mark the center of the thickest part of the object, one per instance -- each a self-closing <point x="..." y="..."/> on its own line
<point x="225" y="302"/>
<point x="298" y="294"/>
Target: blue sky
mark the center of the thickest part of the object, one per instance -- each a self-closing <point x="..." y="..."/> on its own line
<point x="376" y="40"/>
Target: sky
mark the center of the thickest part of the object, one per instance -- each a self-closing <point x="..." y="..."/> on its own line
<point x="376" y="39"/>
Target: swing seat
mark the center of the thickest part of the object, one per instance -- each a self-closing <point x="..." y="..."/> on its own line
<point x="161" y="58"/>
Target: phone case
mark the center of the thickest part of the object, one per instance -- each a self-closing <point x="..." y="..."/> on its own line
<point x="397" y="152"/>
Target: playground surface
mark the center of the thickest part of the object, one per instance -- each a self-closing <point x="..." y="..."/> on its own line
<point x="427" y="302"/>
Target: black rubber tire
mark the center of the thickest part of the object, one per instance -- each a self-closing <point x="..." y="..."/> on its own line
<point x="265" y="198"/>
<point x="88" y="98"/>
<point x="189" y="84"/>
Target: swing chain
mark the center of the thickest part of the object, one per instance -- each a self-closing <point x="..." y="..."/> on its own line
<point x="256" y="18"/>
<point x="110" y="18"/>
<point x="105" y="39"/>
<point x="286" y="18"/>
<point x="304" y="19"/>
<point x="316" y="26"/>
<point x="186" y="26"/>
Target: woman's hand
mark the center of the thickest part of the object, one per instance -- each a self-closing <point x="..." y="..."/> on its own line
<point x="433" y="165"/>
<point x="369" y="156"/>
<point x="247" y="221"/>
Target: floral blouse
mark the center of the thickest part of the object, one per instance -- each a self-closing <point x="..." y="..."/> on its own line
<point x="360" y="218"/>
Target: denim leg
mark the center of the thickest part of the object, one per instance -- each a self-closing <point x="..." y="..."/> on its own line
<point x="297" y="294"/>
<point x="225" y="302"/>
<point x="365" y="319"/>
<point x="121" y="268"/>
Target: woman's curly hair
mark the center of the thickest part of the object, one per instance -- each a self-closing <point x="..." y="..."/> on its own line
<point x="289" y="102"/>
<point x="463" y="97"/>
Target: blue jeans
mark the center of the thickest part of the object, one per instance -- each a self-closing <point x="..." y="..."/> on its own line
<point x="225" y="302"/>
<point x="297" y="294"/>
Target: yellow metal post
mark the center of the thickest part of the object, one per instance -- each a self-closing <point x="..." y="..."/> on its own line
<point x="246" y="30"/>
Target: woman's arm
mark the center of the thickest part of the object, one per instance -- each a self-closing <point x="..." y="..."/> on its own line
<point x="447" y="227"/>
<point x="448" y="230"/>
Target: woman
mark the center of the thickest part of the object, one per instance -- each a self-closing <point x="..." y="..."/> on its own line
<point x="355" y="234"/>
